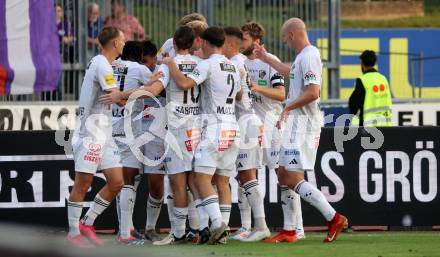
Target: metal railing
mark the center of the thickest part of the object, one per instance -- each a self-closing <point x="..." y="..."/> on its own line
<point x="159" y="19"/>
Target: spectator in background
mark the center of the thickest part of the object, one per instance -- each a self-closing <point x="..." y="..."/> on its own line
<point x="371" y="99"/>
<point x="95" y="25"/>
<point x="65" y="33"/>
<point x="65" y="37"/>
<point x="126" y="23"/>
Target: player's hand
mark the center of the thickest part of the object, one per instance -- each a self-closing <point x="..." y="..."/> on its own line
<point x="167" y="60"/>
<point x="155" y="76"/>
<point x="113" y="96"/>
<point x="121" y="102"/>
<point x="283" y="118"/>
<point x="260" y="52"/>
<point x="253" y="86"/>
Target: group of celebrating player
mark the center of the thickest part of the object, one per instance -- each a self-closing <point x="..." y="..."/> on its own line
<point x="222" y="96"/>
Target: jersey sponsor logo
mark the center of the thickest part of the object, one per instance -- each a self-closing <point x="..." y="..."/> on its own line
<point x="239" y="165"/>
<point x="274" y="153"/>
<point x="119" y="69"/>
<point x="224" y="144"/>
<point x="93" y="153"/>
<point x="94" y="147"/>
<point x="293" y="161"/>
<point x="242" y="156"/>
<point x="292" y="152"/>
<point x="189" y="145"/>
<point x="187" y="67"/>
<point x="228" y="133"/>
<point x="227" y="67"/>
<point x="310" y="76"/>
<point x="262" y="82"/>
<point x="109" y="80"/>
<point x="256" y="98"/>
<point x="193" y="133"/>
<point x="118" y="112"/>
<point x="225" y="110"/>
<point x="261" y="74"/>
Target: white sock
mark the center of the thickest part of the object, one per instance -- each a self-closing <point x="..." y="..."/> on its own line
<point x="153" y="210"/>
<point x="180" y="215"/>
<point x="203" y="215"/>
<point x="225" y="210"/>
<point x="256" y="202"/>
<point x="74" y="210"/>
<point x="170" y="207"/>
<point x="193" y="216"/>
<point x="211" y="206"/>
<point x="287" y="198"/>
<point x="297" y="213"/>
<point x="126" y="200"/>
<point x="312" y="195"/>
<point x="245" y="209"/>
<point x="137" y="181"/>
<point x="131" y="204"/>
<point x="97" y="207"/>
<point x="118" y="207"/>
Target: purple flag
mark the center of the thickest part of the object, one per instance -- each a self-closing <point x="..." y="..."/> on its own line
<point x="30" y="60"/>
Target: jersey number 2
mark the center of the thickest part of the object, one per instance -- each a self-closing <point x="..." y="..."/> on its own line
<point x="230" y="82"/>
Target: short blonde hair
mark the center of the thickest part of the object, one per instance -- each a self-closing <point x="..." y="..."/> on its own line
<point x="198" y="26"/>
<point x="191" y="17"/>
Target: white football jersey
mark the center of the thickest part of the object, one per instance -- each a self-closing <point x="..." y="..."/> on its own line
<point x="98" y="78"/>
<point x="183" y="106"/>
<point x="128" y="75"/>
<point x="154" y="119"/>
<point x="265" y="76"/>
<point x="306" y="70"/>
<point x="167" y="47"/>
<point x="221" y="82"/>
<point x="244" y="106"/>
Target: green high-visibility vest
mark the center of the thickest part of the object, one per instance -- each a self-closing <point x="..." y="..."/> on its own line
<point x="377" y="103"/>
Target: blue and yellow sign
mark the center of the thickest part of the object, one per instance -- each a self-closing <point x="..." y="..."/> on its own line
<point x="409" y="58"/>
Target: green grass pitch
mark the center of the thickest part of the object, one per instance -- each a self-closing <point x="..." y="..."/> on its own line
<point x="359" y="244"/>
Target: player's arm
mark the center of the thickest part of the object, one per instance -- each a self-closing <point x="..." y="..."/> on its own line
<point x="244" y="80"/>
<point x="277" y="92"/>
<point x="261" y="53"/>
<point x="112" y="94"/>
<point x="182" y="81"/>
<point x="109" y="97"/>
<point x="312" y="81"/>
<point x="239" y="95"/>
<point x="311" y="93"/>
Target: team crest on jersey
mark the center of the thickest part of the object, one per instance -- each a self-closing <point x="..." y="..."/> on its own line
<point x="261" y="74"/>
<point x="196" y="72"/>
